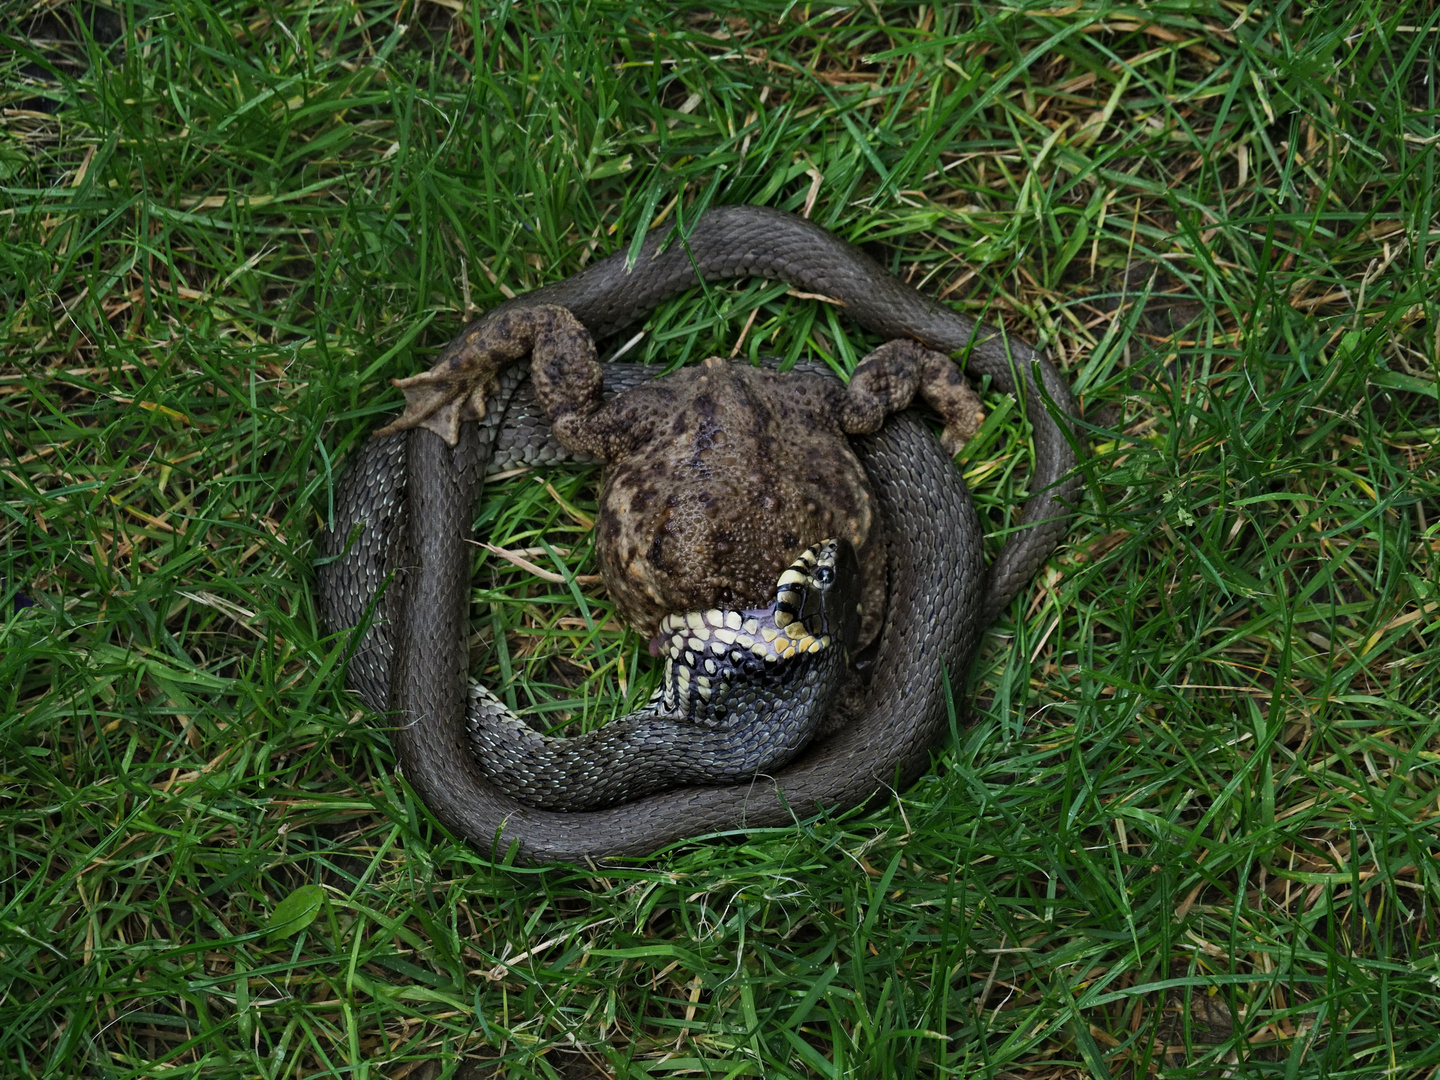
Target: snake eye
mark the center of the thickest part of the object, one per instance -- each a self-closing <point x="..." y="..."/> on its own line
<point x="824" y="575"/>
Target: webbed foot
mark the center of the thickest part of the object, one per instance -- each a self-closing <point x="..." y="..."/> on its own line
<point x="459" y="385"/>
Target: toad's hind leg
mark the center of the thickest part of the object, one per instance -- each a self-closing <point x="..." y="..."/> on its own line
<point x="568" y="389"/>
<point x="888" y="379"/>
<point x="456" y="387"/>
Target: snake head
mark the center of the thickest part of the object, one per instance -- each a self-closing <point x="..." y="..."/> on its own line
<point x="821" y="593"/>
<point x="816" y="605"/>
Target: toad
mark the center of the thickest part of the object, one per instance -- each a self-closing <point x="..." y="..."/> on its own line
<point x="717" y="476"/>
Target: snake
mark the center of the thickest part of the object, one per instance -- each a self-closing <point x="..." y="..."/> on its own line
<point x="743" y="691"/>
<point x="395" y="568"/>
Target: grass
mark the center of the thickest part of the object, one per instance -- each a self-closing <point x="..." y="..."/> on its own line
<point x="1188" y="824"/>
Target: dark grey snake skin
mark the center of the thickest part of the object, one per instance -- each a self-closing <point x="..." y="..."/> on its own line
<point x="413" y="495"/>
<point x="731" y="704"/>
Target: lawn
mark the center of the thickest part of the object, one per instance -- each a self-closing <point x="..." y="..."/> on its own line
<point x="1187" y="821"/>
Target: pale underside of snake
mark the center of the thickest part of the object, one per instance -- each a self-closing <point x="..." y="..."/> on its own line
<point x="403" y="512"/>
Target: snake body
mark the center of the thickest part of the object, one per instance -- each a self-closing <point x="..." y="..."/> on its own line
<point x="742" y="692"/>
<point x="413" y="496"/>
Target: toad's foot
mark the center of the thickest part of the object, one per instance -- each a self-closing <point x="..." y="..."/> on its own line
<point x="457" y="387"/>
<point x="889" y="378"/>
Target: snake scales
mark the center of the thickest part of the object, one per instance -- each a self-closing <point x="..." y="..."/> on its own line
<point x="413" y="495"/>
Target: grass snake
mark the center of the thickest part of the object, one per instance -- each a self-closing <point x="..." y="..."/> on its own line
<point x="404" y="509"/>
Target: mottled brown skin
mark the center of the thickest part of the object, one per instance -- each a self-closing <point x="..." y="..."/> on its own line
<point x="718" y="475"/>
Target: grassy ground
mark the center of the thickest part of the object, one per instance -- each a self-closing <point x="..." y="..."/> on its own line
<point x="1192" y="819"/>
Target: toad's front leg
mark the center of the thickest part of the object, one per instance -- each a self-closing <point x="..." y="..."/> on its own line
<point x="456" y="387"/>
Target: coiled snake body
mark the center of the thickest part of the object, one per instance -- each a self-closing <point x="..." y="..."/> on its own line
<point x="413" y="496"/>
<point x="743" y="692"/>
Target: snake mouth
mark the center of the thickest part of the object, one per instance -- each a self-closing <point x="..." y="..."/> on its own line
<point x="816" y="596"/>
<point x="743" y="692"/>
